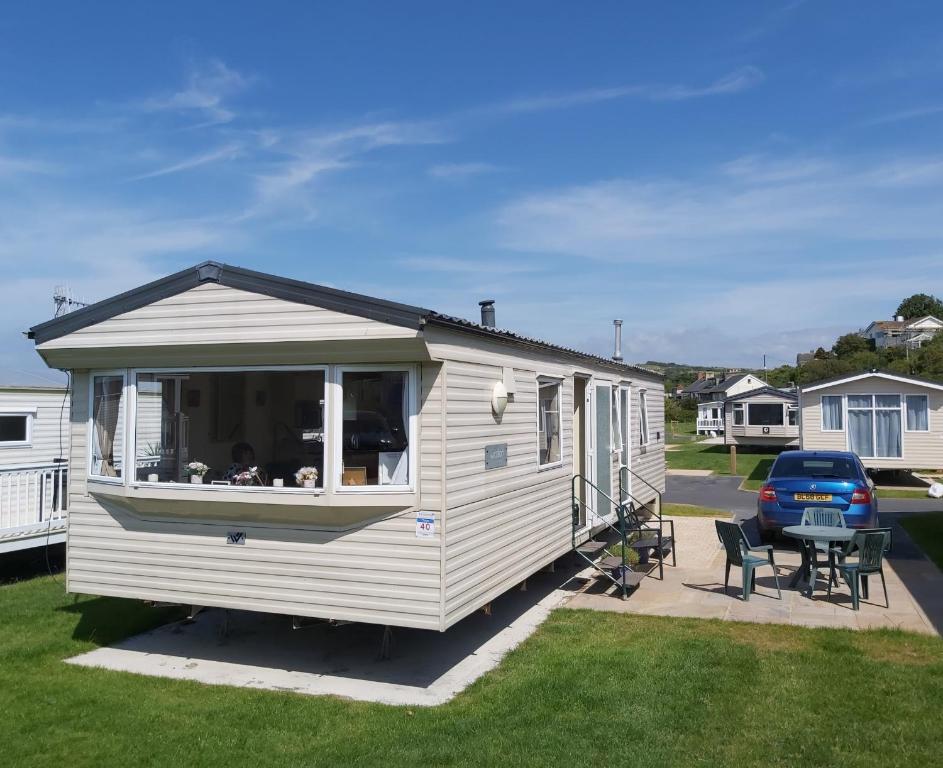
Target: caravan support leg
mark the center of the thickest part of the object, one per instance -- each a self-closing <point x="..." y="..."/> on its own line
<point x="386" y="644"/>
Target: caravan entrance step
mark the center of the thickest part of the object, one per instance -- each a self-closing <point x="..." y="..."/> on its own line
<point x="610" y="562"/>
<point x="651" y="542"/>
<point x="591" y="547"/>
<point x="631" y="579"/>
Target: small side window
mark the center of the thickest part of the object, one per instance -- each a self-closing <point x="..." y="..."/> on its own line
<point x="15" y="429"/>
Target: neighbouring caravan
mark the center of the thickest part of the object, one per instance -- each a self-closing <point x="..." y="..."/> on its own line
<point x="764" y="417"/>
<point x="891" y="421"/>
<point x="34" y="436"/>
<point x="444" y="450"/>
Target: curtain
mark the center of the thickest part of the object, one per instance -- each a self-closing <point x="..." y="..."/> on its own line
<point x="917" y="416"/>
<point x="107" y="407"/>
<point x="887" y="431"/>
<point x="860" y="432"/>
<point x="831" y="412"/>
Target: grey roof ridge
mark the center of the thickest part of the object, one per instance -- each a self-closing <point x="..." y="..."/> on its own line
<point x="289" y="289"/>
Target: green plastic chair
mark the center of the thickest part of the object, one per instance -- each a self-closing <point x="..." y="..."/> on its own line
<point x="738" y="553"/>
<point x="870" y="544"/>
<point x="829" y="517"/>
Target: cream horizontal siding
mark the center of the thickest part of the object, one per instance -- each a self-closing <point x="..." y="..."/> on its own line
<point x="380" y="573"/>
<point x="217" y="314"/>
<point x="504" y="524"/>
<point x="921" y="450"/>
<point x="648" y="461"/>
<point x="430" y="436"/>
<point x="50" y="434"/>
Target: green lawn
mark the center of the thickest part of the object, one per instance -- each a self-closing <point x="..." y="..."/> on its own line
<point x="754" y="465"/>
<point x="900" y="493"/>
<point x="692" y="510"/>
<point x="927" y="532"/>
<point x="587" y="689"/>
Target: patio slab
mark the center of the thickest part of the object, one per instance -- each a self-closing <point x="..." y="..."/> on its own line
<point x="695" y="589"/>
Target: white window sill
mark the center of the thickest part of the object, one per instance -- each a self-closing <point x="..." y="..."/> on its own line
<point x="548" y="467"/>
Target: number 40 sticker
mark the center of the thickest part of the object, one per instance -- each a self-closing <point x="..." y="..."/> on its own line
<point x="425" y="525"/>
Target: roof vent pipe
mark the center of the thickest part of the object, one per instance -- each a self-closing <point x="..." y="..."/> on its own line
<point x="617" y="353"/>
<point x="487" y="313"/>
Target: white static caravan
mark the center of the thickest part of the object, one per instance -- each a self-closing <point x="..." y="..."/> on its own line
<point x="765" y="417"/>
<point x="34" y="436"/>
<point x="445" y="449"/>
<point x="891" y="421"/>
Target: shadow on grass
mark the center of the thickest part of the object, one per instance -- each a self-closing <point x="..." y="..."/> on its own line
<point x="29" y="563"/>
<point x="761" y="470"/>
<point x="106" y="620"/>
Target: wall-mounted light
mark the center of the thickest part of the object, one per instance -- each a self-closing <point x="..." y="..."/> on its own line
<point x="499" y="399"/>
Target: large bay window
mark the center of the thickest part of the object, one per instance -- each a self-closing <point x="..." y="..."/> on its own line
<point x="279" y="428"/>
<point x="765" y="414"/>
<point x="249" y="428"/>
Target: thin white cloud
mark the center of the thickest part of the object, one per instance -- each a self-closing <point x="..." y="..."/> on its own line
<point x="746" y="209"/>
<point x="466" y="266"/>
<point x="906" y="114"/>
<point x="741" y="79"/>
<point x="460" y="171"/>
<point x="208" y="86"/>
<point x="15" y="166"/>
<point x="227" y="152"/>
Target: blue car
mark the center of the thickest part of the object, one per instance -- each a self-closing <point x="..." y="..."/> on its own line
<point x="800" y="479"/>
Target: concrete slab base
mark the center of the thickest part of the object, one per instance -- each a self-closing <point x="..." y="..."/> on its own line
<point x="254" y="650"/>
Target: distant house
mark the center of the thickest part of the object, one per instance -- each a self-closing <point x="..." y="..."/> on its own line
<point x="763" y="417"/>
<point x="804" y="357"/>
<point x="900" y="332"/>
<point x="711" y="399"/>
<point x="890" y="421"/>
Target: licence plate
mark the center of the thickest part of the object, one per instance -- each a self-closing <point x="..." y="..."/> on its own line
<point x="813" y="497"/>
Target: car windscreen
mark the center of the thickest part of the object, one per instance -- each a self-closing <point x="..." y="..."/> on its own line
<point x="814" y="466"/>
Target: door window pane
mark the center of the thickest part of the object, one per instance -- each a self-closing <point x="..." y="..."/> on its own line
<point x="887" y="433"/>
<point x="548" y="423"/>
<point x="643" y="418"/>
<point x="624" y="415"/>
<point x="375" y="428"/>
<point x="107" y="426"/>
<point x="861" y="432"/>
<point x="918" y="415"/>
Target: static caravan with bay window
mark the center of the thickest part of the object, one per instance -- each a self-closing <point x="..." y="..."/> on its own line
<point x="443" y="449"/>
<point x="891" y="421"/>
<point x="762" y="417"/>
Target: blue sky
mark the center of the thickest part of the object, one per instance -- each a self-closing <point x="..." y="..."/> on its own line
<point x="732" y="179"/>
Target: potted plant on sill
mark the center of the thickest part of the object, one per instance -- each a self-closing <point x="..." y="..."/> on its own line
<point x="307" y="477"/>
<point x="196" y="470"/>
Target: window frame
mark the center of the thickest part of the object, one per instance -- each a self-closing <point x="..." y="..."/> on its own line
<point x="926" y="399"/>
<point x="782" y="409"/>
<point x="625" y="424"/>
<point x="543" y="381"/>
<point x="643" y="425"/>
<point x="131" y="403"/>
<point x="738" y="409"/>
<point x="124" y="373"/>
<point x="874" y="408"/>
<point x="792" y="410"/>
<point x="842" y="402"/>
<point x="27" y="413"/>
<point x="334" y="380"/>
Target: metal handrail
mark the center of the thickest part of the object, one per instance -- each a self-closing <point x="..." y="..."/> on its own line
<point x="658" y="494"/>
<point x="620" y="512"/>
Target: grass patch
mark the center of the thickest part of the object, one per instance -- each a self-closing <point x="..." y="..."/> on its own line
<point x="927" y="533"/>
<point x="692" y="510"/>
<point x="676" y="691"/>
<point x="755" y="465"/>
<point x="902" y="493"/>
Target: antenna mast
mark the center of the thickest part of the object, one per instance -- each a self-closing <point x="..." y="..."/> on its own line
<point x="64" y="300"/>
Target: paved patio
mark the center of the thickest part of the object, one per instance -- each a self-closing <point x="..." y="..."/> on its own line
<point x="695" y="588"/>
